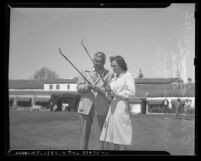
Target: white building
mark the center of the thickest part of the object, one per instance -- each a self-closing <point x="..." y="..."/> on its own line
<point x="34" y="91"/>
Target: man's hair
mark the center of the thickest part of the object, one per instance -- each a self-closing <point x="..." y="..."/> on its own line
<point x="100" y="54"/>
<point x="120" y="60"/>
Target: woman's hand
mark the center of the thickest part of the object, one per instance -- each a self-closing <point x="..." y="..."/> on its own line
<point x="108" y="96"/>
<point x="112" y="94"/>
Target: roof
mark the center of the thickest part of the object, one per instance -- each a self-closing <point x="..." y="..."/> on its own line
<point x="165" y="90"/>
<point x="60" y="81"/>
<point x="40" y="92"/>
<point x="37" y="84"/>
<point x="155" y="80"/>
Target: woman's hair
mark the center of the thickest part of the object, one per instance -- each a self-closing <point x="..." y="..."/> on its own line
<point x="120" y="60"/>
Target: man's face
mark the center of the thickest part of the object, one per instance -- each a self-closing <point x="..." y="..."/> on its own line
<point x="98" y="62"/>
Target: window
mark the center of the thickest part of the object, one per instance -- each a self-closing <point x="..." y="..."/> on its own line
<point x="57" y="86"/>
<point x="51" y="86"/>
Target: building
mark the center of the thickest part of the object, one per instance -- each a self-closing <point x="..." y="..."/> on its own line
<point x="150" y="92"/>
<point x="38" y="92"/>
<point x="155" y="90"/>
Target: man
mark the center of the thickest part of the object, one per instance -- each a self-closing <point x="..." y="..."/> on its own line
<point x="166" y="106"/>
<point x="178" y="107"/>
<point x="93" y="105"/>
<point x="187" y="106"/>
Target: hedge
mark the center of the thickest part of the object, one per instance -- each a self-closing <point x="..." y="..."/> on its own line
<point x="71" y="98"/>
<point x="155" y="110"/>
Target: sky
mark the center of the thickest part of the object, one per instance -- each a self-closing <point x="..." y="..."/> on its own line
<point x="159" y="41"/>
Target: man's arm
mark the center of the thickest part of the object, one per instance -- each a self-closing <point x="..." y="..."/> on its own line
<point x="83" y="86"/>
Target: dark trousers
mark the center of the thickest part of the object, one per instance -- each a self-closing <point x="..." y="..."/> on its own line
<point x="166" y="109"/>
<point x="85" y="129"/>
<point x="178" y="110"/>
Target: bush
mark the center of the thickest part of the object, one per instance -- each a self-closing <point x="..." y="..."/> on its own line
<point x="156" y="109"/>
<point x="42" y="104"/>
<point x="70" y="98"/>
<point x="191" y="111"/>
<point x="171" y="110"/>
<point x="24" y="103"/>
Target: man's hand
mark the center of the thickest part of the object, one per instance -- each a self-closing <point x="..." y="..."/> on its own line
<point x="95" y="88"/>
<point x="89" y="87"/>
<point x="108" y="88"/>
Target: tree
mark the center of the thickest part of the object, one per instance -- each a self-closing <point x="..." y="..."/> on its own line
<point x="140" y="74"/>
<point x="45" y="73"/>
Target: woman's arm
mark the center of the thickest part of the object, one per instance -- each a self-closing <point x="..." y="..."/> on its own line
<point x="129" y="88"/>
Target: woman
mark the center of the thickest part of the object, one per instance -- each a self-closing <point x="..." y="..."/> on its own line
<point x="117" y="128"/>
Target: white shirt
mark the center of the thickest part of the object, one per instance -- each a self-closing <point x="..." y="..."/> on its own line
<point x="123" y="85"/>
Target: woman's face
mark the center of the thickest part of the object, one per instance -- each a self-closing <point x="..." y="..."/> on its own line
<point x="115" y="67"/>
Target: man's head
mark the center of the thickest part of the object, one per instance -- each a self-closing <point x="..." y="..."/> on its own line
<point x="99" y="60"/>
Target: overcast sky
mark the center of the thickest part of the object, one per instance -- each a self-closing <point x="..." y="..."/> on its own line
<point x="148" y="39"/>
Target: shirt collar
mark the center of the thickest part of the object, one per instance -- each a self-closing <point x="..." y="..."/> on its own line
<point x="93" y="69"/>
<point x="117" y="76"/>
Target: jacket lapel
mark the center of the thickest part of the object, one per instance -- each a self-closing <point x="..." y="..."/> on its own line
<point x="102" y="75"/>
<point x="96" y="77"/>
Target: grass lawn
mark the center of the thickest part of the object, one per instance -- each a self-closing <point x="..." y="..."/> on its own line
<point x="60" y="131"/>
